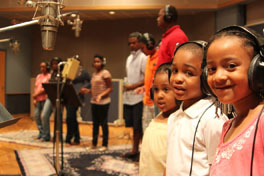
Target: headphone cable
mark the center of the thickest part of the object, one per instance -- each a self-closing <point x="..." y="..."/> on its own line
<point x="254" y="140"/>
<point x="195" y="136"/>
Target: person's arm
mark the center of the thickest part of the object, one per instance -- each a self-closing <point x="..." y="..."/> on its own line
<point x="107" y="91"/>
<point x="128" y="87"/>
<point x="140" y="90"/>
<point x="87" y="80"/>
<point x="84" y="91"/>
<point x="40" y="91"/>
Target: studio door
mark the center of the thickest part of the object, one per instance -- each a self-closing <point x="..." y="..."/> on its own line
<point x="2" y="77"/>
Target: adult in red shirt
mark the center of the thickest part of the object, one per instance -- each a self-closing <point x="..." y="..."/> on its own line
<point x="174" y="36"/>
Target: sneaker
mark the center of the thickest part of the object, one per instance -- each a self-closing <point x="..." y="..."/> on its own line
<point x="39" y="136"/>
<point x="76" y="143"/>
<point x="103" y="148"/>
<point x="91" y="148"/>
<point x="45" y="139"/>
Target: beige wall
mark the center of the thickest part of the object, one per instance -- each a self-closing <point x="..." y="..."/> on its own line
<point x="198" y="26"/>
<point x="109" y="37"/>
<point x="255" y="12"/>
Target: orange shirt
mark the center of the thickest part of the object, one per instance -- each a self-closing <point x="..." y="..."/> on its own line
<point x="149" y="75"/>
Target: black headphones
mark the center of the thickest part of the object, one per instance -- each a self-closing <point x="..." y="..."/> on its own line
<point x="170" y="13"/>
<point x="104" y="61"/>
<point x="149" y="40"/>
<point x="57" y="59"/>
<point x="256" y="68"/>
<point x="169" y="74"/>
<point x="102" y="58"/>
<point x="255" y="73"/>
<point x="47" y="66"/>
<point x="204" y="85"/>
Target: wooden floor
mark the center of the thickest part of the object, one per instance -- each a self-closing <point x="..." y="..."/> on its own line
<point x="8" y="163"/>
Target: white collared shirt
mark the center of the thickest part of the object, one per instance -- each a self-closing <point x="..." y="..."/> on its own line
<point x="135" y="69"/>
<point x="181" y="128"/>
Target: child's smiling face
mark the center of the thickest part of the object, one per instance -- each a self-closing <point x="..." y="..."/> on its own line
<point x="228" y="61"/>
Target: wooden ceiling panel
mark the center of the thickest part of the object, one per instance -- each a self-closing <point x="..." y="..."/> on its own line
<point x="99" y="9"/>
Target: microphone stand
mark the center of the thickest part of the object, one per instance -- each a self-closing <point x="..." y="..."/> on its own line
<point x="28" y="23"/>
<point x="58" y="125"/>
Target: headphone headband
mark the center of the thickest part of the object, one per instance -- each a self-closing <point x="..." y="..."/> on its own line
<point x="204" y="85"/>
<point x="258" y="40"/>
<point x="201" y="43"/>
<point x="170" y="13"/>
<point x="146" y="35"/>
<point x="166" y="9"/>
<point x="148" y="40"/>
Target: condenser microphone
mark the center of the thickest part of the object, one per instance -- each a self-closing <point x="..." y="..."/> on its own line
<point x="70" y="69"/>
<point x="78" y="26"/>
<point x="49" y="24"/>
<point x="15" y="46"/>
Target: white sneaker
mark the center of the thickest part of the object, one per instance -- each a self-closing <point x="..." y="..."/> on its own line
<point x="91" y="147"/>
<point x="103" y="148"/>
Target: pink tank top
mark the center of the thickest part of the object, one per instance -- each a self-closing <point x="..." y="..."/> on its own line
<point x="234" y="157"/>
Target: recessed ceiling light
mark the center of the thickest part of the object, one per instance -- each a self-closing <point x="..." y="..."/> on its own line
<point x="111" y="12"/>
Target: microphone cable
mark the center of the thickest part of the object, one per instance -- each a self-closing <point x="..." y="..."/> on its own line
<point x="254" y="140"/>
<point x="195" y="136"/>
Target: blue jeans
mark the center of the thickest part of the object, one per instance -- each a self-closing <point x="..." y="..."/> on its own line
<point x="38" y="109"/>
<point x="45" y="116"/>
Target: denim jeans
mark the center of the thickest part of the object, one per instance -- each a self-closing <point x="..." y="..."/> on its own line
<point x="38" y="108"/>
<point x="45" y="116"/>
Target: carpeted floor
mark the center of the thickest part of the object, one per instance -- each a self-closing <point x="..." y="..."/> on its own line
<point x="78" y="161"/>
<point x="28" y="137"/>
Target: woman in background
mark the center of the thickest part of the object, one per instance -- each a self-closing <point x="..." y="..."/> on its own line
<point x="101" y="86"/>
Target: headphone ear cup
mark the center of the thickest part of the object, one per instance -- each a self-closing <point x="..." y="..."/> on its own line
<point x="167" y="18"/>
<point x="104" y="61"/>
<point x="204" y="84"/>
<point x="255" y="74"/>
<point x="150" y="46"/>
<point x="47" y="66"/>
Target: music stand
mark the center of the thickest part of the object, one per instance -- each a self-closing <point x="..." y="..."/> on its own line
<point x="66" y="95"/>
<point x="6" y="118"/>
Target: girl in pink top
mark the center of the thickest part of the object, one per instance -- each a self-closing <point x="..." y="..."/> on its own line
<point x="235" y="75"/>
<point x="40" y="96"/>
